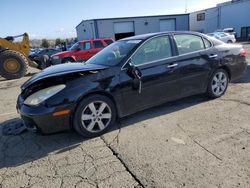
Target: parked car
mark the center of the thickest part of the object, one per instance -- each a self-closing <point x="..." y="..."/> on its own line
<point x="128" y="76"/>
<point x="225" y="37"/>
<point x="81" y="51"/>
<point x="38" y="56"/>
<point x="230" y="31"/>
<point x="34" y="50"/>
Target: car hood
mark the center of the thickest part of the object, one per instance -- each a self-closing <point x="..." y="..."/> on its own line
<point x="60" y="70"/>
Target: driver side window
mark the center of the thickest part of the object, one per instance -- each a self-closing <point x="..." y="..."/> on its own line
<point x="153" y="50"/>
<point x="85" y="46"/>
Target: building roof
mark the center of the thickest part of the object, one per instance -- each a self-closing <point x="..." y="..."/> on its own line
<point x="171" y="15"/>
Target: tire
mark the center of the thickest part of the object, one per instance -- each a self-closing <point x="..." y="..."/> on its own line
<point x="43" y="62"/>
<point x="229" y="42"/>
<point x="94" y="125"/>
<point x="218" y="84"/>
<point x="13" y="65"/>
<point x="67" y="60"/>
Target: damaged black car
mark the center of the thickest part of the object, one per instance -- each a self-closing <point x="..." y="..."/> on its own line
<point x="128" y="76"/>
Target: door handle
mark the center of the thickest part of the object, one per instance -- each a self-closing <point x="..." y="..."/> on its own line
<point x="213" y="56"/>
<point x="172" y="65"/>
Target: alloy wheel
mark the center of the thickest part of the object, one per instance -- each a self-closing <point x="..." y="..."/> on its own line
<point x="219" y="83"/>
<point x="96" y="116"/>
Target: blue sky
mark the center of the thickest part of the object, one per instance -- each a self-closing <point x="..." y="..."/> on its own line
<point x="58" y="18"/>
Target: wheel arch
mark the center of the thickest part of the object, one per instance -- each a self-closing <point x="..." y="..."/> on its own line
<point x="103" y="93"/>
<point x="227" y="70"/>
<point x="69" y="57"/>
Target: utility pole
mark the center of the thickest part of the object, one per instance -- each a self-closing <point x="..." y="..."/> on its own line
<point x="186" y="6"/>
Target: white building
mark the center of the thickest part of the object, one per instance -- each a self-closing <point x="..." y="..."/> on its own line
<point x="118" y="28"/>
<point x="233" y="14"/>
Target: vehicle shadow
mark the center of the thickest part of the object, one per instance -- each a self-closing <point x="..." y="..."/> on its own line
<point x="30" y="74"/>
<point x="16" y="150"/>
<point x="28" y="147"/>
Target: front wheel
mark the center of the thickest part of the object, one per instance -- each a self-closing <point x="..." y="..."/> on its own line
<point x="94" y="116"/>
<point x="218" y="84"/>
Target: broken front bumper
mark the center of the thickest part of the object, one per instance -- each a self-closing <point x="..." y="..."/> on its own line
<point x="40" y="118"/>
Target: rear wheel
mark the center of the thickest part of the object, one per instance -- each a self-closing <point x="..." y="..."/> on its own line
<point x="229" y="42"/>
<point x="13" y="64"/>
<point x="94" y="116"/>
<point x="218" y="84"/>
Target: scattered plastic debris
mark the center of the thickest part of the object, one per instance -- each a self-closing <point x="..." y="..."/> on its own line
<point x="14" y="127"/>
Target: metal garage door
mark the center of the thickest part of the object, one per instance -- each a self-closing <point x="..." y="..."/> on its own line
<point x="167" y="25"/>
<point x="124" y="27"/>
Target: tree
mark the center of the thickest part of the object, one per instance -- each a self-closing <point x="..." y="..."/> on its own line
<point x="45" y="43"/>
<point x="58" y="42"/>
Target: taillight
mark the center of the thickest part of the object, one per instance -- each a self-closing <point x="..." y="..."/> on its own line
<point x="243" y="52"/>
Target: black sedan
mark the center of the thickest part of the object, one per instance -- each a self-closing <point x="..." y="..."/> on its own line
<point x="42" y="57"/>
<point x="128" y="76"/>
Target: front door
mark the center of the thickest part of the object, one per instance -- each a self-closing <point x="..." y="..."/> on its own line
<point x="84" y="51"/>
<point x="159" y="76"/>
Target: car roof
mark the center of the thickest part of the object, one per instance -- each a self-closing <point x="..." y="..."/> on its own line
<point x="149" y="35"/>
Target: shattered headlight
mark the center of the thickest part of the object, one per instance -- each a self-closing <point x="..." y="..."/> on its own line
<point x="40" y="96"/>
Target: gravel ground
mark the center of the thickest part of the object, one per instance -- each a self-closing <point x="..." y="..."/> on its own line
<point x="194" y="142"/>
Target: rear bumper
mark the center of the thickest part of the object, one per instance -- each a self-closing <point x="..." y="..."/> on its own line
<point x="41" y="119"/>
<point x="238" y="70"/>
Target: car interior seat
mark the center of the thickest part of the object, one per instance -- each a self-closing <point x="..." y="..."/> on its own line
<point x="195" y="46"/>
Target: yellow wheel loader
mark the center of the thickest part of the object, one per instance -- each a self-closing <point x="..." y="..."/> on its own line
<point x="14" y="59"/>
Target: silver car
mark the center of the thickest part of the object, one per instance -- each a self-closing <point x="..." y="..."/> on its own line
<point x="225" y="37"/>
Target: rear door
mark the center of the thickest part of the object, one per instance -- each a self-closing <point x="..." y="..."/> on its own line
<point x="159" y="79"/>
<point x="196" y="56"/>
<point x="84" y="51"/>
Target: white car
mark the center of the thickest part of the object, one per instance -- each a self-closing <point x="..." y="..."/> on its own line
<point x="225" y="37"/>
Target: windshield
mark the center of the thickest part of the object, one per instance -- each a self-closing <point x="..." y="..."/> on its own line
<point x="114" y="53"/>
<point x="75" y="46"/>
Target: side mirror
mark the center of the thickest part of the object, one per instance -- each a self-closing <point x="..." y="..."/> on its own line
<point x="134" y="71"/>
<point x="78" y="49"/>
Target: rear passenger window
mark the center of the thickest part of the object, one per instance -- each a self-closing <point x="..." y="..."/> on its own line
<point x="108" y="42"/>
<point x="207" y="43"/>
<point x="98" y="44"/>
<point x="188" y="43"/>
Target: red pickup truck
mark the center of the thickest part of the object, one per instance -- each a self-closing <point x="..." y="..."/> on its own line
<point x="81" y="51"/>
